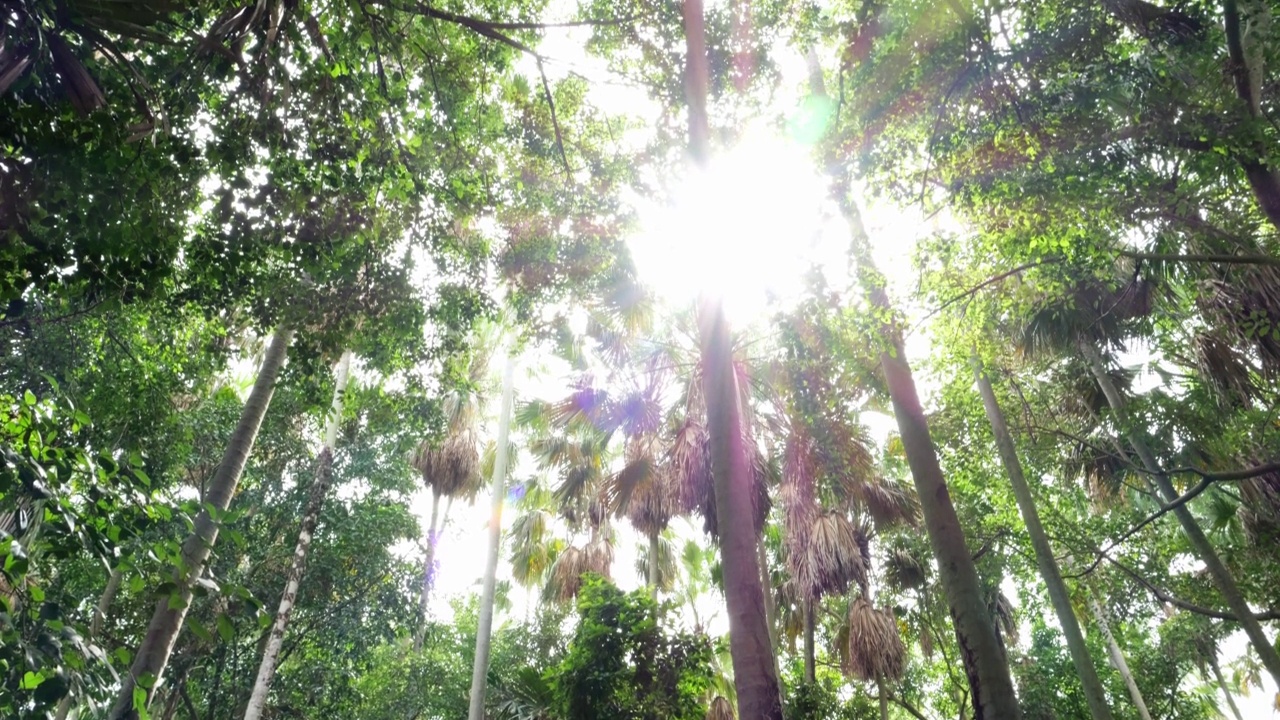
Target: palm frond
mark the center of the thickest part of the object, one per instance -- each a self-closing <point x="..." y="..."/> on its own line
<point x="720" y="709"/>
<point x="875" y="648"/>
<point x="452" y="467"/>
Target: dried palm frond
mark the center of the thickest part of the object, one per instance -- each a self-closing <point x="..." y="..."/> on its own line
<point x="1260" y="510"/>
<point x="689" y="459"/>
<point x="1224" y="369"/>
<point x="926" y="642"/>
<point x="720" y="709"/>
<point x="597" y="556"/>
<point x="875" y="646"/>
<point x="644" y="490"/>
<point x="565" y="578"/>
<point x="906" y="571"/>
<point x="830" y="557"/>
<point x="1003" y="612"/>
<point x="889" y="503"/>
<point x="452" y="467"/>
<point x="1103" y="473"/>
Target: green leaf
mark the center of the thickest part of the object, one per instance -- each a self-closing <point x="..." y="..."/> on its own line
<point x="31" y="681"/>
<point x="226" y="630"/>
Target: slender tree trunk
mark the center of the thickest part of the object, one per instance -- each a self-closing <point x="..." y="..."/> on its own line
<point x="1117" y="657"/>
<point x="1203" y="548"/>
<point x="754" y="668"/>
<point x="884" y="697"/>
<point x="428" y="561"/>
<point x="766" y="585"/>
<point x="770" y="610"/>
<point x="95" y="625"/>
<point x="1059" y="597"/>
<point x="484" y="630"/>
<point x="984" y="660"/>
<point x="310" y="517"/>
<point x="653" y="564"/>
<point x="1224" y="687"/>
<point x="810" y="660"/>
<point x="166" y="622"/>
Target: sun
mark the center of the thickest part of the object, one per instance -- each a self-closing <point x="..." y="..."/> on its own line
<point x="745" y="229"/>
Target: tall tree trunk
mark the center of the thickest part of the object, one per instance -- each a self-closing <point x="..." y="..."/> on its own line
<point x="1223" y="686"/>
<point x="428" y="562"/>
<point x="1117" y="657"/>
<point x="480" y="669"/>
<point x="810" y="659"/>
<point x="755" y="671"/>
<point x="310" y="516"/>
<point x="653" y="564"/>
<point x="166" y="622"/>
<point x="754" y="668"/>
<point x="884" y="697"/>
<point x="1203" y="548"/>
<point x="984" y="660"/>
<point x="95" y="625"/>
<point x="770" y="610"/>
<point x="1059" y="597"/>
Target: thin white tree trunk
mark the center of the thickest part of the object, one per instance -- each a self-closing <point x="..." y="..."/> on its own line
<point x="429" y="558"/>
<point x="1117" y="657"/>
<point x="310" y="516"/>
<point x="171" y="611"/>
<point x="1222" y="576"/>
<point x="480" y="670"/>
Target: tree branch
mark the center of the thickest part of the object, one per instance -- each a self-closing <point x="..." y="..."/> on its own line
<point x="1164" y="596"/>
<point x="493" y="31"/>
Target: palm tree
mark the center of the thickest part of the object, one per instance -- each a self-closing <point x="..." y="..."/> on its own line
<point x="450" y="468"/>
<point x="985" y="662"/>
<point x="986" y="666"/>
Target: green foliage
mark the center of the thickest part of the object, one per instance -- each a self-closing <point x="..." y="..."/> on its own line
<point x="623" y="661"/>
<point x="59" y="504"/>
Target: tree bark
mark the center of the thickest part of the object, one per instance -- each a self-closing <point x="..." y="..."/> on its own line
<point x="166" y="622"/>
<point x="1059" y="597"/>
<point x="884" y="697"/>
<point x="653" y="565"/>
<point x="1117" y="657"/>
<point x="1246" y="73"/>
<point x="985" y="664"/>
<point x="310" y="517"/>
<point x="754" y="668"/>
<point x="696" y="81"/>
<point x="1200" y="544"/>
<point x="480" y="670"/>
<point x="1224" y="687"/>
<point x="428" y="561"/>
<point x="810" y="660"/>
<point x="766" y="586"/>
